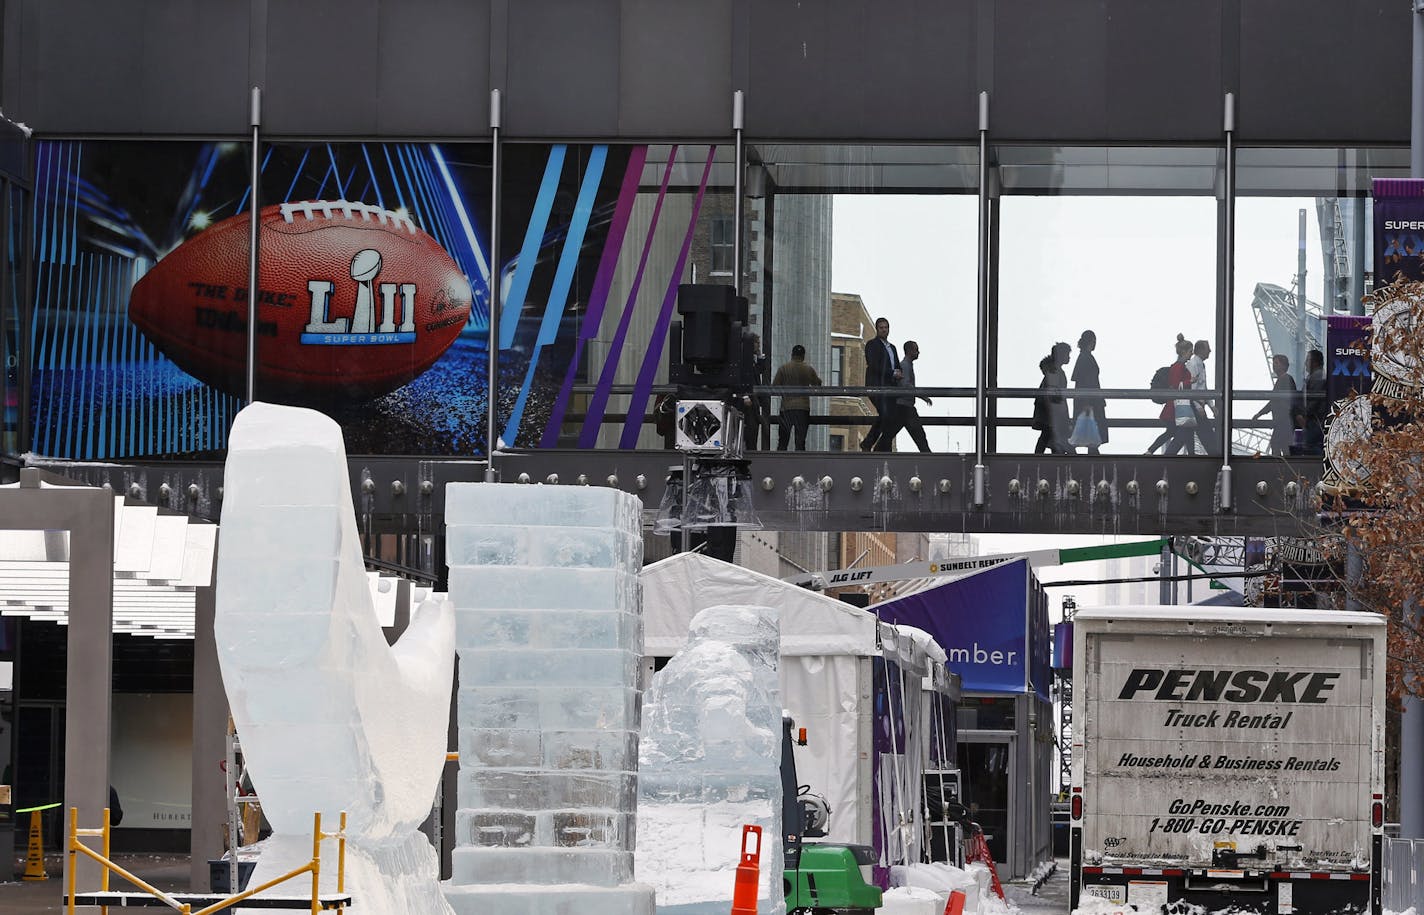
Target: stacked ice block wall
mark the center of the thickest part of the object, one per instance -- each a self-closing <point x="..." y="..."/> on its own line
<point x="549" y="635"/>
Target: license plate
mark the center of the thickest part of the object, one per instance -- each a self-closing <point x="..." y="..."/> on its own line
<point x="1111" y="892"/>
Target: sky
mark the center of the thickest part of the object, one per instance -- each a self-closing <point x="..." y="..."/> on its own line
<point x="1135" y="270"/>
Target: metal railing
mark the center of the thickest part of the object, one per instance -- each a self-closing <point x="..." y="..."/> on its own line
<point x="1000" y="401"/>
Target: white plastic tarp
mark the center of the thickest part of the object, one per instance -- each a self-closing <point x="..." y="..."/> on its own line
<point x="676" y="588"/>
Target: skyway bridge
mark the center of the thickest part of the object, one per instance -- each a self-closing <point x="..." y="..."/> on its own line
<point x="823" y="491"/>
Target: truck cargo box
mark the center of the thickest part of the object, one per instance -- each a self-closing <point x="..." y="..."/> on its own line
<point x="1227" y="757"/>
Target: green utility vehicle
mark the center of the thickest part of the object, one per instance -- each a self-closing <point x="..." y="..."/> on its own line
<point x="820" y="878"/>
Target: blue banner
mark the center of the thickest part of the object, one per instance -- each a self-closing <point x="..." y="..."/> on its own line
<point x="982" y="622"/>
<point x="1040" y="639"/>
<point x="1063" y="646"/>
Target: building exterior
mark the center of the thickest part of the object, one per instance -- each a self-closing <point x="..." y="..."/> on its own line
<point x="851" y="326"/>
<point x="138" y="122"/>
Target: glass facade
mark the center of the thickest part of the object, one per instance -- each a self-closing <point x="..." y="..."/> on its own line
<point x="134" y="329"/>
<point x="1304" y="252"/>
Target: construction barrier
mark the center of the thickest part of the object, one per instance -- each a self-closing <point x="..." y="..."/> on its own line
<point x="978" y="850"/>
<point x="744" y="893"/>
<point x="34" y="855"/>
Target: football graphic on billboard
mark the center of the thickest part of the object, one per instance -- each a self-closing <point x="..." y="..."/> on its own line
<point x="355" y="301"/>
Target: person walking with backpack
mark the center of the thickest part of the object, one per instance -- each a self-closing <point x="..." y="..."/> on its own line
<point x="1167" y="378"/>
<point x="1180" y="423"/>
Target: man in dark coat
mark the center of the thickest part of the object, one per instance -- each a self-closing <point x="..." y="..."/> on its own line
<point x="1313" y="406"/>
<point x="882" y="370"/>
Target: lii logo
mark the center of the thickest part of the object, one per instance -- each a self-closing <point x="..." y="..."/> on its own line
<point x="362" y="326"/>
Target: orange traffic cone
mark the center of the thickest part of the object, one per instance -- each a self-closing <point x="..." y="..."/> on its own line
<point x="744" y="894"/>
<point x="34" y="859"/>
<point x="955" y="905"/>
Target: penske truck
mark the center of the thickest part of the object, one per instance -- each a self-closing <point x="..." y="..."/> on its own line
<point x="1228" y="758"/>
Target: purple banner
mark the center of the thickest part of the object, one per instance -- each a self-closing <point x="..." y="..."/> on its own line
<point x="1347" y="366"/>
<point x="1063" y="646"/>
<point x="983" y="623"/>
<point x="1347" y="372"/>
<point x="1399" y="229"/>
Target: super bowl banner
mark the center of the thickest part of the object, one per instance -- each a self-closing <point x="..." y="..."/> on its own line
<point x="1347" y="373"/>
<point x="1399" y="229"/>
<point x="374" y="291"/>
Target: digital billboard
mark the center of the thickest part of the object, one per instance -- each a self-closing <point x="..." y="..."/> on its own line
<point x="375" y="284"/>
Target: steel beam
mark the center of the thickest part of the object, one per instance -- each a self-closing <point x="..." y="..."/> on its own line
<point x="1050" y="494"/>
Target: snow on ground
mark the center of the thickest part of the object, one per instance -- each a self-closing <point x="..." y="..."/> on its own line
<point x="923" y="889"/>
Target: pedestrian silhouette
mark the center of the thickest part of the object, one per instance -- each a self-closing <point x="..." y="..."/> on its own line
<point x="904" y="415"/>
<point x="1090" y="421"/>
<point x="1281" y="406"/>
<point x="882" y="370"/>
<point x="1050" y="409"/>
<point x="795" y="416"/>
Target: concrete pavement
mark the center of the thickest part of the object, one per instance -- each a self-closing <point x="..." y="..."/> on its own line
<point x="46" y="897"/>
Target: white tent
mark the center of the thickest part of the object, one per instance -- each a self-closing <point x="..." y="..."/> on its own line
<point x="827" y="647"/>
<point x="811" y="623"/>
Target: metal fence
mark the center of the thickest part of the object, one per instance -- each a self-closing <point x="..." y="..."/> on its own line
<point x="1403" y="874"/>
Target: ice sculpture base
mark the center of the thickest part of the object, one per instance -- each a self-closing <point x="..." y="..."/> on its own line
<point x="553" y="899"/>
<point x="690" y="853"/>
<point x="396" y="876"/>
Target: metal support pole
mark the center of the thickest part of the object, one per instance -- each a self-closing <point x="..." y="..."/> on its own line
<point x="982" y="324"/>
<point x="1358" y="263"/>
<point x="1411" y="772"/>
<point x="1228" y="332"/>
<point x="1416" y="98"/>
<point x="255" y="219"/>
<point x="1411" y="737"/>
<point x="230" y="789"/>
<point x="1164" y="568"/>
<point x="739" y="170"/>
<point x="492" y="357"/>
<point x="1298" y="356"/>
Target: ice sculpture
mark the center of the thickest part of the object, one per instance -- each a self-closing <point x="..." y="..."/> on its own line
<point x="710" y="763"/>
<point x="331" y="717"/>
<point x="549" y="629"/>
